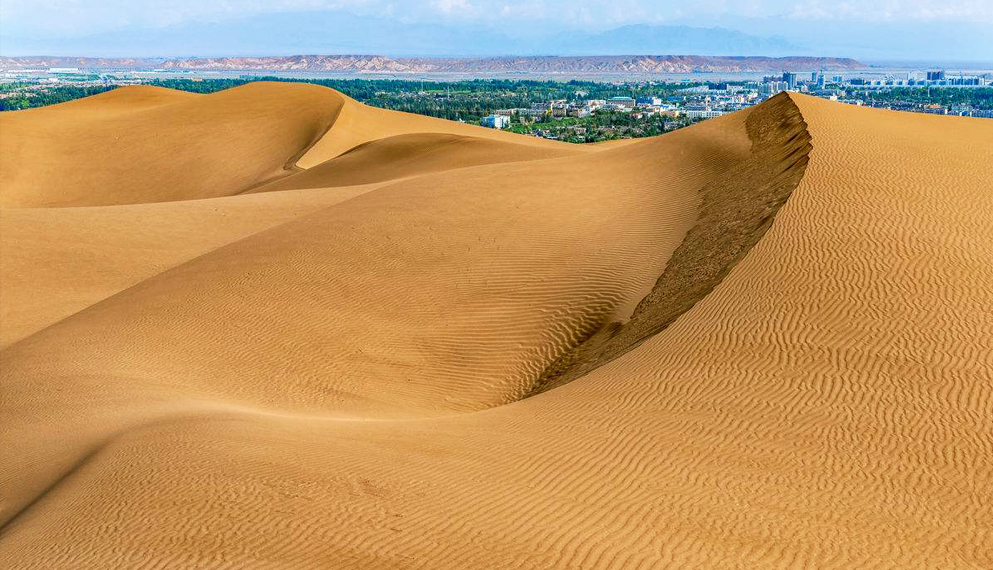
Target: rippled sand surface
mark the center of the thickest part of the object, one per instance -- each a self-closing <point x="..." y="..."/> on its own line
<point x="274" y="328"/>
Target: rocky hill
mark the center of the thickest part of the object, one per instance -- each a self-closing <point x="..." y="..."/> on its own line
<point x="538" y="64"/>
<point x="382" y="64"/>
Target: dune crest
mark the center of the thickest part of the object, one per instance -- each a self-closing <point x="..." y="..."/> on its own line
<point x="411" y="154"/>
<point x="395" y="342"/>
<point x="141" y="145"/>
<point x="738" y="208"/>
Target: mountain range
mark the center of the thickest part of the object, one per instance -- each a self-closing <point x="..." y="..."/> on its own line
<point x="381" y="64"/>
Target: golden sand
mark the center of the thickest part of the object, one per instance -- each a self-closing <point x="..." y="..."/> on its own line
<point x="274" y="328"/>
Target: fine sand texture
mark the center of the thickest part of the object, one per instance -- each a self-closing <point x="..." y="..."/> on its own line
<point x="274" y="328"/>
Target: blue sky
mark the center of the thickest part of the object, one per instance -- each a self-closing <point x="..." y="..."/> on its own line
<point x="870" y="28"/>
<point x="91" y="16"/>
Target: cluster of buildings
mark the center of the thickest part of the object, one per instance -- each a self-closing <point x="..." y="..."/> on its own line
<point x="678" y="107"/>
<point x="716" y="99"/>
<point x="929" y="78"/>
<point x="933" y="79"/>
<point x="563" y="108"/>
<point x="850" y="89"/>
<point x="703" y="107"/>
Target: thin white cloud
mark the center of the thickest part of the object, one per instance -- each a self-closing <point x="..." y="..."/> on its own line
<point x="454" y="7"/>
<point x="894" y="10"/>
<point x="90" y="16"/>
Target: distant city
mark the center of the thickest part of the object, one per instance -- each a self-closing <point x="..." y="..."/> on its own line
<point x="711" y="100"/>
<point x="716" y="99"/>
<point x="573" y="111"/>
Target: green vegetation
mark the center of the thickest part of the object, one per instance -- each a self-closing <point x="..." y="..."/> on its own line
<point x="600" y="126"/>
<point x="467" y="101"/>
<point x="16" y="96"/>
<point x="470" y="100"/>
<point x="915" y="97"/>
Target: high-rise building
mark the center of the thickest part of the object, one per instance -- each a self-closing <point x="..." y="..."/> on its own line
<point x="772" y="87"/>
<point x="790" y="79"/>
<point x="936" y="75"/>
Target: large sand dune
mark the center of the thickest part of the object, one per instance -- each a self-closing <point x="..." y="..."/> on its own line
<point x="166" y="146"/>
<point x="328" y="336"/>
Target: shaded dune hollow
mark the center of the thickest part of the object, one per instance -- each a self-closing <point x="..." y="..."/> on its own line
<point x="737" y="208"/>
<point x="273" y="328"/>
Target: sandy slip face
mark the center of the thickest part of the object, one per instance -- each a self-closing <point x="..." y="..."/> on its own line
<point x="346" y="371"/>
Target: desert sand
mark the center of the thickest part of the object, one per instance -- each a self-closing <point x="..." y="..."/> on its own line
<point x="275" y="328"/>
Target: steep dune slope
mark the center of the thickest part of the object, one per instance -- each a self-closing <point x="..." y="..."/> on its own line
<point x="825" y="402"/>
<point x="449" y="292"/>
<point x="138" y="145"/>
<point x="358" y="124"/>
<point x="444" y="293"/>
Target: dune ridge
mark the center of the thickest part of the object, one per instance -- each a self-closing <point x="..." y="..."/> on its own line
<point x="140" y="144"/>
<point x="336" y="376"/>
<point x="406" y="155"/>
<point x="738" y="208"/>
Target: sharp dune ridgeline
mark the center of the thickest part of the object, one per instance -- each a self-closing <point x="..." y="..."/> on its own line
<point x="274" y="328"/>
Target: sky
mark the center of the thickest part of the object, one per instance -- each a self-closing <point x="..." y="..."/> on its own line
<point x="793" y="19"/>
<point x="92" y="16"/>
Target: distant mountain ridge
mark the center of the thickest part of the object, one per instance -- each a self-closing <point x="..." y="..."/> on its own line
<point x="645" y="64"/>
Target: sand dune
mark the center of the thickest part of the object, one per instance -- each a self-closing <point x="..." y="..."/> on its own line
<point x="161" y="148"/>
<point x="58" y="261"/>
<point x="357" y="124"/>
<point x="763" y="341"/>
<point x="413" y="154"/>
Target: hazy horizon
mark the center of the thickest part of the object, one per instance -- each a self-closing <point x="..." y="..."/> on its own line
<point x="895" y="30"/>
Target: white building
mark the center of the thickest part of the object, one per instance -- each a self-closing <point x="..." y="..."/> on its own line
<point x="621" y="102"/>
<point x="533" y="113"/>
<point x="495" y="121"/>
<point x="703" y="113"/>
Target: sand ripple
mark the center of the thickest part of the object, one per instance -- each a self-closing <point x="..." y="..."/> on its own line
<point x="329" y="372"/>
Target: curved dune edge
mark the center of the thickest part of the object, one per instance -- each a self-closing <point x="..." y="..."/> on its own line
<point x="357" y="123"/>
<point x="782" y="119"/>
<point x="405" y="156"/>
<point x="660" y="202"/>
<point x="139" y="146"/>
<point x="827" y="405"/>
<point x="737" y="210"/>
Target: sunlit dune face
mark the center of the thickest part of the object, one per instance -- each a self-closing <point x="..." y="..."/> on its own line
<point x="275" y="328"/>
